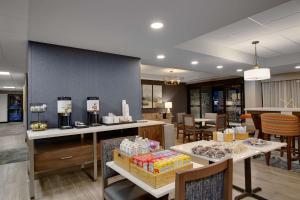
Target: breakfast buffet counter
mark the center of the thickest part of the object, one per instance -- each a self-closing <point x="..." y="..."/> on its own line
<point x="55" y="149"/>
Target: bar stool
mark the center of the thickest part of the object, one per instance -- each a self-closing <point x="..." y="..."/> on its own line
<point x="284" y="126"/>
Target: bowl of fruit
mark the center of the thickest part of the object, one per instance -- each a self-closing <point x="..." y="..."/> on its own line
<point x="38" y="125"/>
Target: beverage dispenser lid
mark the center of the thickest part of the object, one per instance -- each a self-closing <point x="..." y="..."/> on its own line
<point x="92" y="98"/>
<point x="64" y="98"/>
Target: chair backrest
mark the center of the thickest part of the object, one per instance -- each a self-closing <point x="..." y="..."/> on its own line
<point x="210" y="115"/>
<point x="107" y="147"/>
<point x="279" y="124"/>
<point x="188" y="121"/>
<point x="221" y="122"/>
<point x="180" y="117"/>
<point x="213" y="182"/>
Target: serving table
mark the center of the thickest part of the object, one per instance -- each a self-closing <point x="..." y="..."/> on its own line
<point x="244" y="156"/>
<point x="33" y="137"/>
<point x="157" y="193"/>
<point x="256" y="112"/>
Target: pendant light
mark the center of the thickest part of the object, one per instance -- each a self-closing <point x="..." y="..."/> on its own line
<point x="257" y="73"/>
<point x="172" y="80"/>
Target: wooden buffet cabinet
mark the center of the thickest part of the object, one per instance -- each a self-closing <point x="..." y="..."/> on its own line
<point x="49" y="157"/>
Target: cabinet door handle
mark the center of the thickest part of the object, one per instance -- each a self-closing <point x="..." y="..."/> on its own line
<point x="67" y="157"/>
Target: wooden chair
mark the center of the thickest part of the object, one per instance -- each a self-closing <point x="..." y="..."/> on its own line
<point x="210" y="116"/>
<point x="180" y="126"/>
<point x="213" y="182"/>
<point x="221" y="125"/>
<point x="190" y="128"/>
<point x="122" y="189"/>
<point x="284" y="126"/>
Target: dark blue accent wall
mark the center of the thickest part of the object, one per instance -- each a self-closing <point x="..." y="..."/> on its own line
<point x="63" y="71"/>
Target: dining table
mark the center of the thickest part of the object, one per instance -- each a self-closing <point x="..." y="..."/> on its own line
<point x="199" y="120"/>
<point x="245" y="156"/>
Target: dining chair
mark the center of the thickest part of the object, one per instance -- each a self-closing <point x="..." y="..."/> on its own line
<point x="285" y="126"/>
<point x="122" y="189"/>
<point x="180" y="126"/>
<point x="221" y="125"/>
<point x="189" y="128"/>
<point x="210" y="116"/>
<point x="213" y="182"/>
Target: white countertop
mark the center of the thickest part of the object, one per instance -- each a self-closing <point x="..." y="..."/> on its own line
<point x="55" y="132"/>
<point x="159" y="192"/>
<point x="273" y="109"/>
<point x="252" y="151"/>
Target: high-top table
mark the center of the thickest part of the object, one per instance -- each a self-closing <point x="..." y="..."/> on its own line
<point x="33" y="136"/>
<point x="244" y="156"/>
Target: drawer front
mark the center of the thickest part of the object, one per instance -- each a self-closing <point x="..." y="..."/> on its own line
<point x="64" y="158"/>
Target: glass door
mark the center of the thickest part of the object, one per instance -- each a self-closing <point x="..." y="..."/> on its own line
<point x="206" y="100"/>
<point x="234" y="103"/>
<point x="195" y="102"/>
<point x="218" y="100"/>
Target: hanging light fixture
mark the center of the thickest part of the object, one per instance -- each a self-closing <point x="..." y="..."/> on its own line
<point x="172" y="80"/>
<point x="257" y="73"/>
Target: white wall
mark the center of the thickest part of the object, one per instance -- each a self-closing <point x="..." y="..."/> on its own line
<point x="253" y="97"/>
<point x="3" y="107"/>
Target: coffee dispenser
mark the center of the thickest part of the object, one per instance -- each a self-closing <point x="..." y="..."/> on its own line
<point x="93" y="109"/>
<point x="64" y="112"/>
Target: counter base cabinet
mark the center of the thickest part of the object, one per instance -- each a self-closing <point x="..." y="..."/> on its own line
<point x="155" y="132"/>
<point x="59" y="156"/>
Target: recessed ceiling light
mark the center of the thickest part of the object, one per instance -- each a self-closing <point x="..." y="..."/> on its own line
<point x="219" y="67"/>
<point x="9" y="87"/>
<point x="194" y="62"/>
<point x="239" y="70"/>
<point x="4" y="73"/>
<point x="297" y="67"/>
<point x="160" y="56"/>
<point x="157" y="25"/>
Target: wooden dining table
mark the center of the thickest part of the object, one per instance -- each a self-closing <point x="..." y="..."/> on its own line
<point x="246" y="156"/>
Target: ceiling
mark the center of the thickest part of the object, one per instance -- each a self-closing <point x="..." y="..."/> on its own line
<point x="13" y="41"/>
<point x="15" y="79"/>
<point x="277" y="30"/>
<point x="194" y="30"/>
<point x="150" y="72"/>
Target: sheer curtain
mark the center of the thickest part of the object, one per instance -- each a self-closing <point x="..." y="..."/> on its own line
<point x="281" y="93"/>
